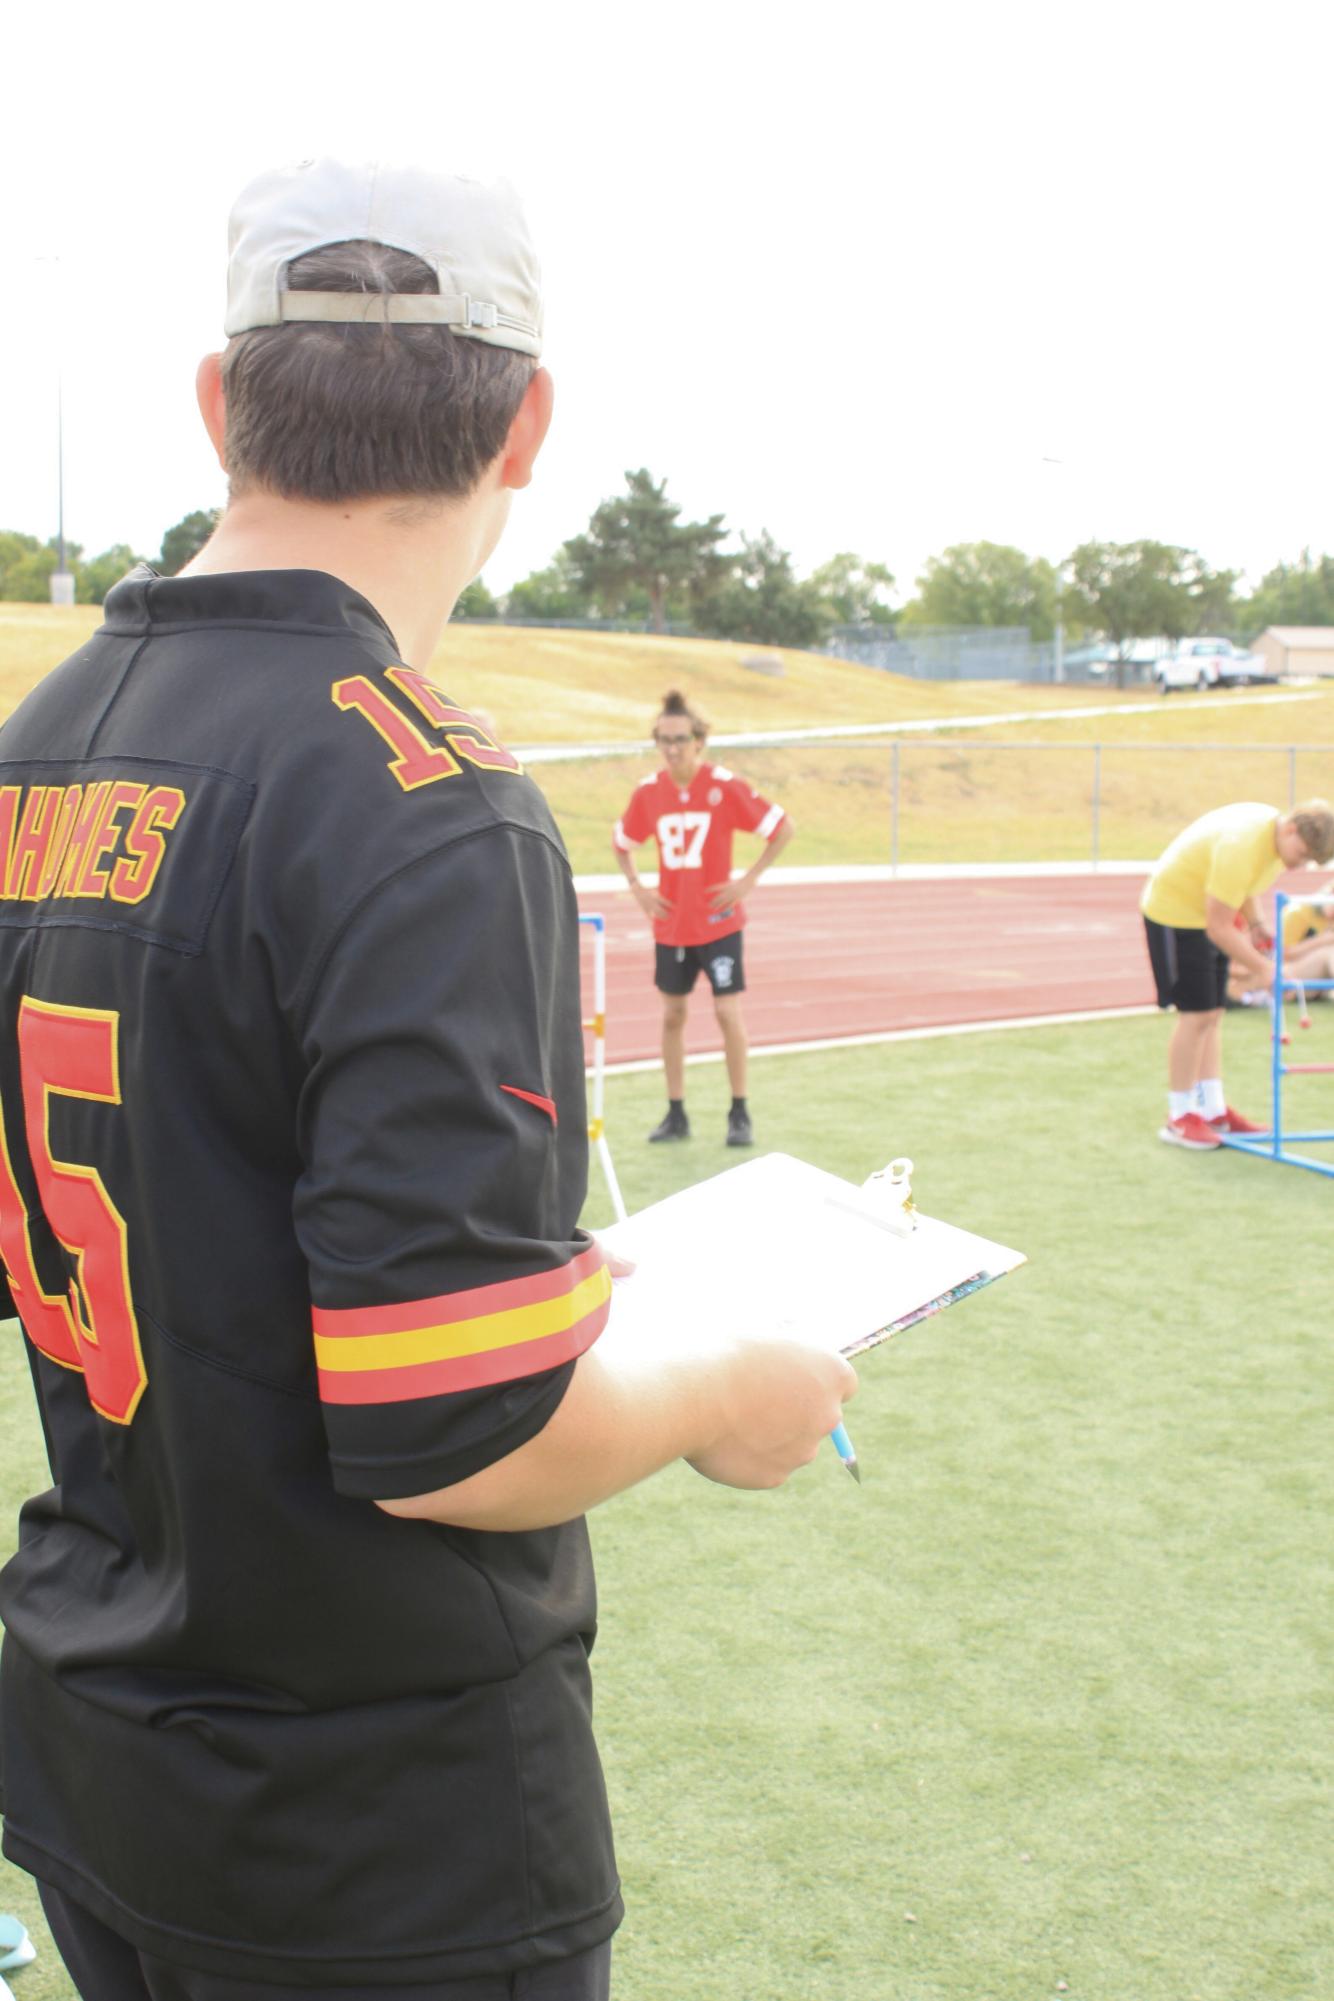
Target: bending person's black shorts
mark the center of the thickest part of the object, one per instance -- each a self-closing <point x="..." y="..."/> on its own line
<point x="1189" y="971"/>
<point x="679" y="966"/>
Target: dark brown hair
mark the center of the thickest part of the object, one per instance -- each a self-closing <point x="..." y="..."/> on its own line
<point x="318" y="412"/>
<point x="674" y="703"/>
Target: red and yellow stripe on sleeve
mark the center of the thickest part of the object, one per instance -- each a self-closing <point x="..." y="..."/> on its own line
<point x="462" y="1340"/>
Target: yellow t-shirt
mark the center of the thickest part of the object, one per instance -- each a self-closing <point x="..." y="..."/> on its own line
<point x="1228" y="853"/>
<point x="1303" y="920"/>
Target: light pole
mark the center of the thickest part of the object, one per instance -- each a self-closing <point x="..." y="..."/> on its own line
<point x="62" y="580"/>
<point x="1058" y="630"/>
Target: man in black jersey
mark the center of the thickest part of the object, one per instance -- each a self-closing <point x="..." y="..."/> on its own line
<point x="294" y="1690"/>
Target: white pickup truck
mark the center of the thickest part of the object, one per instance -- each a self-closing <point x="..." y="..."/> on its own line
<point x="1210" y="663"/>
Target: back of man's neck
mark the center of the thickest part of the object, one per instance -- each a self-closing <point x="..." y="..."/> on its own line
<point x="409" y="560"/>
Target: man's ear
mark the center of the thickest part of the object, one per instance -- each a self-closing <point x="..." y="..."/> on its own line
<point x="532" y="420"/>
<point x="212" y="403"/>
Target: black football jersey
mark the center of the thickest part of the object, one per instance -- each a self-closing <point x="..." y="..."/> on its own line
<point x="293" y="1145"/>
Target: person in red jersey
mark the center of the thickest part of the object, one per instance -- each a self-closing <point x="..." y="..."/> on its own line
<point x="692" y="808"/>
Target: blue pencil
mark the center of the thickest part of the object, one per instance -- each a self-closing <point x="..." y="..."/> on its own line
<point x="843" y="1447"/>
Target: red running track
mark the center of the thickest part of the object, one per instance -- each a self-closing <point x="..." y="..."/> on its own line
<point x="837" y="959"/>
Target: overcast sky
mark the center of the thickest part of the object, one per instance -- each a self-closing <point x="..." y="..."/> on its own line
<point x="882" y="279"/>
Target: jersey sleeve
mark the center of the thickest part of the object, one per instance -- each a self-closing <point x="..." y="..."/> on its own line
<point x="637" y="821"/>
<point x="751" y="811"/>
<point x="444" y="1136"/>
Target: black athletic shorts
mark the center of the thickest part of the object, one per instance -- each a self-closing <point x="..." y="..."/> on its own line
<point x="105" y="1968"/>
<point x="1188" y="969"/>
<point x="720" y="961"/>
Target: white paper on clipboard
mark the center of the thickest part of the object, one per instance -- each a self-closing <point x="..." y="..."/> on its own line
<point x="778" y="1245"/>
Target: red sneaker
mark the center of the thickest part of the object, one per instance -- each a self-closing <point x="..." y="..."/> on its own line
<point x="1191" y="1130"/>
<point x="1233" y="1122"/>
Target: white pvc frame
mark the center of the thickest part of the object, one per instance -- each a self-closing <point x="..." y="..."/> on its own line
<point x="596" y="1026"/>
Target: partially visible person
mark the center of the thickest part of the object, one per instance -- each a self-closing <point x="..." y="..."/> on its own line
<point x="1308" y="952"/>
<point x="1209" y="876"/>
<point x="1308" y="941"/>
<point x="692" y="808"/>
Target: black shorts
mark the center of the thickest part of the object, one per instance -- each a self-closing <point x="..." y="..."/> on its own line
<point x="1188" y="969"/>
<point x="720" y="961"/>
<point x="105" y="1968"/>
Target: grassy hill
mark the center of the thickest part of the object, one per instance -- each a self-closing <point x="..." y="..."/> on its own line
<point x="546" y="686"/>
<point x="973" y="797"/>
<point x="549" y="686"/>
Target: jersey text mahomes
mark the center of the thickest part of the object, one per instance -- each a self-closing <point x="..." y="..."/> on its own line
<point x="102" y="840"/>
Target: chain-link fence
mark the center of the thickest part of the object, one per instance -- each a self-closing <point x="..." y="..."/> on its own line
<point x="910" y="801"/>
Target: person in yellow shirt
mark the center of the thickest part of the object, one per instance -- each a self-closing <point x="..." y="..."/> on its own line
<point x="1210" y="875"/>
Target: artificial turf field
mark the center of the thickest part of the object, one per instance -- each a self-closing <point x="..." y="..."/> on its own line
<point x="1047" y="1706"/>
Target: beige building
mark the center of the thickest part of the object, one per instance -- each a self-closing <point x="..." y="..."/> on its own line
<point x="1297" y="649"/>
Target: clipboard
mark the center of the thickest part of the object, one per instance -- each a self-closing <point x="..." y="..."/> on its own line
<point x="778" y="1246"/>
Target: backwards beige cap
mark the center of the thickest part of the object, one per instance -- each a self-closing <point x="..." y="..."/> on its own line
<point x="471" y="233"/>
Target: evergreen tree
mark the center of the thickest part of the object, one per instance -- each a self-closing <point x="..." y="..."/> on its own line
<point x="636" y="541"/>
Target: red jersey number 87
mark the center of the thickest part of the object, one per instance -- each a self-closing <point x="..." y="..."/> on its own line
<point x="681" y="838"/>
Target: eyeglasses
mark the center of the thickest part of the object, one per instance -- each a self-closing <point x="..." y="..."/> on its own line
<point x="658" y="737"/>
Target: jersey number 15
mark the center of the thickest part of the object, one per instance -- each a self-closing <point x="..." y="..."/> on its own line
<point x="72" y="1052"/>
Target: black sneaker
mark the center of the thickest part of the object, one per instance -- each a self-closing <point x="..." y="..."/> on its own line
<point x="675" y="1126"/>
<point x="739" y="1129"/>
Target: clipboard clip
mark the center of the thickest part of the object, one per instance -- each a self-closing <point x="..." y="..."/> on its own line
<point x="885" y="1199"/>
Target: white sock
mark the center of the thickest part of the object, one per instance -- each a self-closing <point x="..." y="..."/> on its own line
<point x="1179" y="1103"/>
<point x="1212" y="1103"/>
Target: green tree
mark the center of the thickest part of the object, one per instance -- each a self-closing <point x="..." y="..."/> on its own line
<point x="636" y="542"/>
<point x="476" y="601"/>
<point x="555" y="592"/>
<point x="986" y="583"/>
<point x="762" y="599"/>
<point x="1130" y="591"/>
<point x="27" y="566"/>
<point x="856" y="592"/>
<point x="19" y="555"/>
<point x="1209" y="603"/>
<point x="95" y="577"/>
<point x="1300" y="593"/>
<point x="186" y="539"/>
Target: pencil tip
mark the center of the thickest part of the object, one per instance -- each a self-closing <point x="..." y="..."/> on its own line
<point x="854" y="1469"/>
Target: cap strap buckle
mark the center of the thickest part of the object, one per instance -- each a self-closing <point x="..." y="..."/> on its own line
<point x="395" y="308"/>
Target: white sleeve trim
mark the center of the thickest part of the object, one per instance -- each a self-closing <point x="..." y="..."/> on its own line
<point x="770" y="823"/>
<point x="619" y="839"/>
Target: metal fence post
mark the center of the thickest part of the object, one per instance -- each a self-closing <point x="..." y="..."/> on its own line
<point x="894" y="808"/>
<point x="1097" y="797"/>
